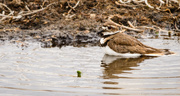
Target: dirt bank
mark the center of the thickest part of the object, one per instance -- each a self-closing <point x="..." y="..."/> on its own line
<point x="67" y="21"/>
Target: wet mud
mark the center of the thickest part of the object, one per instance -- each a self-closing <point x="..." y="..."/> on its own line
<point x="50" y="39"/>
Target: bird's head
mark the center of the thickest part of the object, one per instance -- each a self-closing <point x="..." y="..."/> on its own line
<point x="108" y="31"/>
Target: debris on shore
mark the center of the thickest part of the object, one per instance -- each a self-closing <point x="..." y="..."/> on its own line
<point x="63" y="22"/>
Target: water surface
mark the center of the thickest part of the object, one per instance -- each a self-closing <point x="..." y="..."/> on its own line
<point x="37" y="71"/>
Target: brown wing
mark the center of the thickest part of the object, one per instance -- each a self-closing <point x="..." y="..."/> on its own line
<point x="124" y="39"/>
<point x="123" y="43"/>
<point x="125" y="48"/>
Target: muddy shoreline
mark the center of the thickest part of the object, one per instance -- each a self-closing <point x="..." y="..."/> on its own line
<point x="61" y="25"/>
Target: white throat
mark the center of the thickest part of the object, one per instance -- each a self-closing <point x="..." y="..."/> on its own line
<point x="102" y="41"/>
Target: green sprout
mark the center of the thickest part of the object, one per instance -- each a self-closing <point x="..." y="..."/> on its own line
<point x="78" y="73"/>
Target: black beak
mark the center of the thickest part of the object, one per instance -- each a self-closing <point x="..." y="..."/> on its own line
<point x="100" y="33"/>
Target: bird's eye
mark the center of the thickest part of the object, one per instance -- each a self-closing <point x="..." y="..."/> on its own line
<point x="109" y="27"/>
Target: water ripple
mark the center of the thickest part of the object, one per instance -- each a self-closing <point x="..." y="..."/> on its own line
<point x="36" y="71"/>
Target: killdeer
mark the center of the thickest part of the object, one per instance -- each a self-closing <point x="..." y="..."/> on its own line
<point x="120" y="44"/>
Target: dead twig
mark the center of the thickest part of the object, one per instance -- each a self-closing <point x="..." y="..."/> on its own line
<point x="130" y="24"/>
<point x="27" y="8"/>
<point x="132" y="27"/>
<point x="3" y="14"/>
<point x="126" y="5"/>
<point x="1" y="4"/>
<point x="116" y="24"/>
<point x="6" y="16"/>
<point x="39" y="10"/>
<point x="146" y="2"/>
<point x="128" y="1"/>
<point x="73" y="8"/>
<point x="21" y="14"/>
<point x="140" y="1"/>
<point x="161" y="2"/>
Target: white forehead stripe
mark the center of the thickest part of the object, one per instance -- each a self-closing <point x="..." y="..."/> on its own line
<point x="104" y="28"/>
<point x="110" y="33"/>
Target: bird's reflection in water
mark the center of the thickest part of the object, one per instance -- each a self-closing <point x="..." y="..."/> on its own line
<point x="118" y="65"/>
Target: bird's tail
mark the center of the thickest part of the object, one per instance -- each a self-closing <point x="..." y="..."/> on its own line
<point x="167" y="52"/>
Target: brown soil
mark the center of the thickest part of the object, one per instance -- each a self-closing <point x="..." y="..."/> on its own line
<point x="61" y="22"/>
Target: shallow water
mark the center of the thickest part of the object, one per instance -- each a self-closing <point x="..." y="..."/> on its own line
<point x="37" y="71"/>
